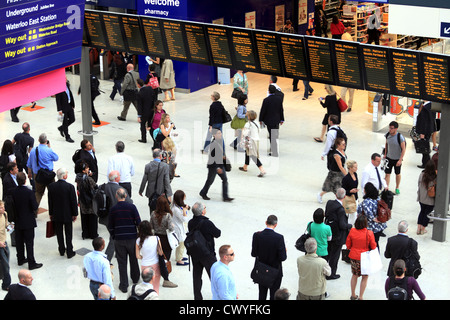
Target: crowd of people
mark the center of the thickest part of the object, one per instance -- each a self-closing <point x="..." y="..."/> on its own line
<point x="143" y="247"/>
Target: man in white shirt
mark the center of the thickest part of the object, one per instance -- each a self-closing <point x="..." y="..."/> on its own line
<point x="372" y="173"/>
<point x="333" y="122"/>
<point x="124" y="164"/>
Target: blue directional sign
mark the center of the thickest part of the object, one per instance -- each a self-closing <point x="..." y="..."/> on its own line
<point x="39" y="36"/>
<point x="445" y="29"/>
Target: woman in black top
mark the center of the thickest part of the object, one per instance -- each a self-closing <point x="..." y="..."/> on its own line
<point x="330" y="103"/>
<point x="350" y="184"/>
<point x="216" y="110"/>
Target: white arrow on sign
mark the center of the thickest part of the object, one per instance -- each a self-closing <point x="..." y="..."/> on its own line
<point x="447" y="30"/>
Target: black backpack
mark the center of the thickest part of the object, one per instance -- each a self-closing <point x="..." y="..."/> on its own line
<point x="397" y="289"/>
<point x="95" y="84"/>
<point x="134" y="296"/>
<point x="413" y="266"/>
<point x="101" y="202"/>
<point x="196" y="244"/>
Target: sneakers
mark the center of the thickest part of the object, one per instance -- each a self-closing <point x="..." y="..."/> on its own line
<point x="169" y="284"/>
<point x="397" y="191"/>
<point x="319" y="198"/>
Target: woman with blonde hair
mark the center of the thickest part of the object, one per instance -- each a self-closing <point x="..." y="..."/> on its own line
<point x="350" y="184"/>
<point x="330" y="103"/>
<point x="168" y="156"/>
<point x="250" y="140"/>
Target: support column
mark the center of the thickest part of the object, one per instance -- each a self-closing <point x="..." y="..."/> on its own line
<point x="86" y="103"/>
<point x="442" y="185"/>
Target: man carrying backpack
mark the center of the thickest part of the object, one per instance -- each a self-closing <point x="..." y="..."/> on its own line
<point x="394" y="152"/>
<point x="144" y="290"/>
<point x="199" y="261"/>
<point x="334" y="131"/>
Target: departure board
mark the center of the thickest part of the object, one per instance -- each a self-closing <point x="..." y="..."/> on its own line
<point x="96" y="35"/>
<point x="348" y="66"/>
<point x="436" y="75"/>
<point x="113" y="31"/>
<point x="376" y="69"/>
<point x="174" y="40"/>
<point x="153" y="37"/>
<point x="196" y="43"/>
<point x="243" y="50"/>
<point x="133" y="34"/>
<point x="268" y="53"/>
<point x="405" y="66"/>
<point x="294" y="56"/>
<point x="319" y="58"/>
<point x="220" y="50"/>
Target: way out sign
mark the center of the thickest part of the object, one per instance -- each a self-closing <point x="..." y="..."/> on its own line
<point x="445" y="29"/>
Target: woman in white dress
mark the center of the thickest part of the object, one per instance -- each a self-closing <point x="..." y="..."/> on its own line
<point x="180" y="218"/>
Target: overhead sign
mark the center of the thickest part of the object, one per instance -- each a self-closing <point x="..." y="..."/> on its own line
<point x="445" y="29"/>
<point x="38" y="37"/>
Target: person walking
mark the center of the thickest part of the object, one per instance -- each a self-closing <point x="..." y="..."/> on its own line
<point x="426" y="182"/>
<point x="129" y="91"/>
<point x="147" y="251"/>
<point x="359" y="240"/>
<point x="250" y="134"/>
<point x="63" y="211"/>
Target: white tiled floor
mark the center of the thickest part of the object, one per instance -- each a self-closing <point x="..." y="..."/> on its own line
<point x="288" y="190"/>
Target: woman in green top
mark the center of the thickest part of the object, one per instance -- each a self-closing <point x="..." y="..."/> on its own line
<point x="321" y="232"/>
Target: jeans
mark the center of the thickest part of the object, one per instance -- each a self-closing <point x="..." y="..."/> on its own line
<point x="4" y="265"/>
<point x="116" y="88"/>
<point x="210" y="179"/>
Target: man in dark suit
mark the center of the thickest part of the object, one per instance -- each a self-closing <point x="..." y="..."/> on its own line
<point x="87" y="153"/>
<point x="65" y="105"/>
<point x="20" y="291"/>
<point x="209" y="231"/>
<point x="272" y="115"/>
<point x="397" y="245"/>
<point x="337" y="219"/>
<point x="156" y="177"/>
<point x="63" y="211"/>
<point x="425" y="126"/>
<point x="146" y="102"/>
<point x="26" y="205"/>
<point x="23" y="143"/>
<point x="269" y="248"/>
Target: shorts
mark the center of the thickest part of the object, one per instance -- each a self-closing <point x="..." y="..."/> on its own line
<point x="392" y="164"/>
<point x="356" y="267"/>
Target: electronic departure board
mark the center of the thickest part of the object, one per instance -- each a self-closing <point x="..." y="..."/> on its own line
<point x="218" y="42"/>
<point x="405" y="67"/>
<point x="320" y="60"/>
<point x="436" y="77"/>
<point x="133" y="34"/>
<point x="294" y="56"/>
<point x="376" y="68"/>
<point x="174" y="40"/>
<point x="153" y="37"/>
<point x="95" y="32"/>
<point x="113" y="31"/>
<point x="243" y="49"/>
<point x="348" y="66"/>
<point x="196" y="44"/>
<point x="268" y="53"/>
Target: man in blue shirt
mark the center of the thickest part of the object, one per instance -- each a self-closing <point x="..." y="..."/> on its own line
<point x="222" y="280"/>
<point x="46" y="158"/>
<point x="97" y="268"/>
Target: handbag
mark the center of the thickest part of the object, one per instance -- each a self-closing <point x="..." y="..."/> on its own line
<point x="237" y="123"/>
<point x="165" y="266"/>
<point x="50" y="230"/>
<point x="173" y="239"/>
<point x="44" y="176"/>
<point x="370" y="260"/>
<point x="422" y="146"/>
<point x="300" y="243"/>
<point x="264" y="274"/>
<point x="349" y="203"/>
<point x="130" y="94"/>
<point x="236" y="93"/>
<point x="225" y="116"/>
<point x="153" y="82"/>
<point x="341" y="104"/>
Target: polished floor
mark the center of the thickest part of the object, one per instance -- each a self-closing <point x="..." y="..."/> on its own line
<point x="288" y="190"/>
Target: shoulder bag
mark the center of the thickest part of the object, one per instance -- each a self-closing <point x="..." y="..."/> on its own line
<point x="300" y="243"/>
<point x="130" y="94"/>
<point x="44" y="176"/>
